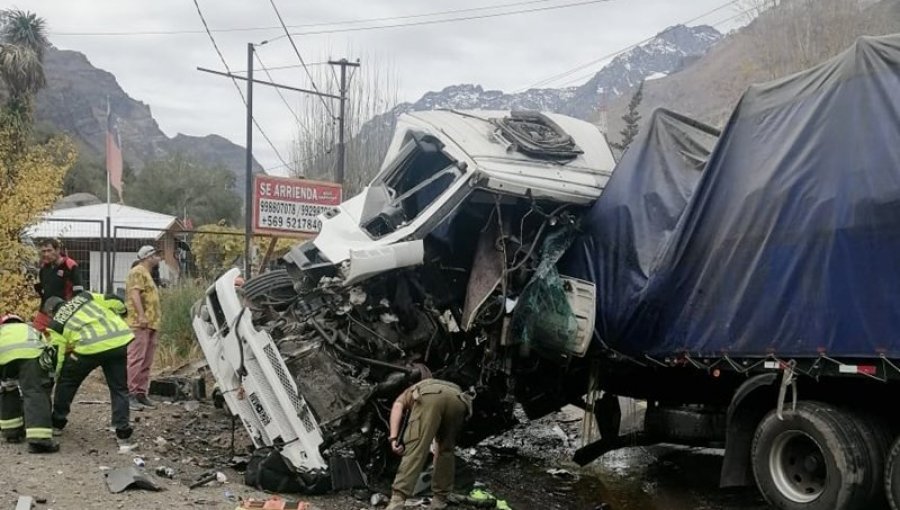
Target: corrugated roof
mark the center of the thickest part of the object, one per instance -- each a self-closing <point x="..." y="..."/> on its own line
<point x="85" y="222"/>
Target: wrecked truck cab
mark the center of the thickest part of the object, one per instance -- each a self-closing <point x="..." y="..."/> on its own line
<point x="445" y="264"/>
<point x="253" y="379"/>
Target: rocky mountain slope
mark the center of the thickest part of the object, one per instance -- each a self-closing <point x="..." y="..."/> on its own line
<point x="74" y="102"/>
<point x="672" y="50"/>
<point x="667" y="53"/>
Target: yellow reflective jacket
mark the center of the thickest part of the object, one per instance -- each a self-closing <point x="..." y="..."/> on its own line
<point x="19" y="341"/>
<point x="89" y="324"/>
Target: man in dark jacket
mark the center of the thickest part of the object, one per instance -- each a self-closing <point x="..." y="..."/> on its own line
<point x="59" y="276"/>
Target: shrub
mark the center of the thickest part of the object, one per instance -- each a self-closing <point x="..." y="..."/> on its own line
<point x="177" y="344"/>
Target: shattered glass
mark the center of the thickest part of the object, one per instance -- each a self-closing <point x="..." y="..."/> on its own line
<point x="543" y="317"/>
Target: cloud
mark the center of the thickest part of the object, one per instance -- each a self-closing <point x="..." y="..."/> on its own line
<point x="505" y="53"/>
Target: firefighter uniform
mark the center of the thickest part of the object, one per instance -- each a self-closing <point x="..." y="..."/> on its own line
<point x="24" y="406"/>
<point x="437" y="412"/>
<point x="90" y="333"/>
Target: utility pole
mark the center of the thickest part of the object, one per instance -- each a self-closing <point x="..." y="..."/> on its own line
<point x="248" y="174"/>
<point x="344" y="64"/>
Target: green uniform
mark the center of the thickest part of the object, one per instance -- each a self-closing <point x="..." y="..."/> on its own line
<point x="24" y="385"/>
<point x="437" y="412"/>
<point x="90" y="333"/>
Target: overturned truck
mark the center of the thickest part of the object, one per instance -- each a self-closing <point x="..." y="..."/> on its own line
<point x="447" y="260"/>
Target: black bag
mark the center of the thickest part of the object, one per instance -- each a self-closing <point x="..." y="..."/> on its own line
<point x="267" y="471"/>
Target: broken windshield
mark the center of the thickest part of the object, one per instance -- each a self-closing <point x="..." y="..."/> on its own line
<point x="419" y="174"/>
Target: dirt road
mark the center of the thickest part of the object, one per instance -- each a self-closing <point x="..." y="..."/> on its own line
<point x="195" y="440"/>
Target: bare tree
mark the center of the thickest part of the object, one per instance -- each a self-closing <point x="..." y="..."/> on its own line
<point x="372" y="96"/>
<point x="790" y="35"/>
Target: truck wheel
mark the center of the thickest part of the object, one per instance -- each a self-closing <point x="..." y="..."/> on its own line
<point x="892" y="476"/>
<point x="814" y="459"/>
<point x="877" y="436"/>
<point x="275" y="286"/>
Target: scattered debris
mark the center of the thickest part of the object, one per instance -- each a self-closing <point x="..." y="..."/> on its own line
<point x="139" y="462"/>
<point x="40" y="500"/>
<point x="275" y="503"/>
<point x="160" y="441"/>
<point x="93" y="402"/>
<point x="131" y="477"/>
<point x="177" y="388"/>
<point x="24" y="503"/>
<point x="209" y="476"/>
<point x="378" y="499"/>
<point x="562" y="473"/>
<point x="191" y="406"/>
<point x="165" y="472"/>
<point x="239" y="462"/>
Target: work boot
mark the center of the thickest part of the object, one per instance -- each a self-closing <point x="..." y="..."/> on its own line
<point x="145" y="401"/>
<point x="15" y="437"/>
<point x="43" y="446"/>
<point x="397" y="502"/>
<point x="438" y="503"/>
<point x="134" y="404"/>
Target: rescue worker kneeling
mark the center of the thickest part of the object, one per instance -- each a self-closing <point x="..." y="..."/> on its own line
<point x="90" y="333"/>
<point x="437" y="410"/>
<point x="26" y="414"/>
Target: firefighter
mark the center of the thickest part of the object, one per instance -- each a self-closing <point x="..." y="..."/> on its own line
<point x="24" y="407"/>
<point x="437" y="410"/>
<point x="89" y="333"/>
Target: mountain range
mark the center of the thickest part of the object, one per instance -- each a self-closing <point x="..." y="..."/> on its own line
<point x="669" y="52"/>
<point x="75" y="102"/>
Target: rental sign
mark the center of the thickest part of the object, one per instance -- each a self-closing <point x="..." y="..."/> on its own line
<point x="290" y="207"/>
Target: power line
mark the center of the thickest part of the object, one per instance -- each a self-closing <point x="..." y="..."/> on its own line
<point x="278" y="68"/>
<point x="238" y="87"/>
<point x="312" y="82"/>
<point x="267" y="70"/>
<point x="569" y="72"/>
<point x="277" y="90"/>
<point x="583" y="77"/>
<point x="306" y="25"/>
<point x="447" y="20"/>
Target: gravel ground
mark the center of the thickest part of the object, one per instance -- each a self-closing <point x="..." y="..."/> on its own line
<point x="527" y="467"/>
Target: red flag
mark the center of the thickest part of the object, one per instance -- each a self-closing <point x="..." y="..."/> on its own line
<point x="113" y="154"/>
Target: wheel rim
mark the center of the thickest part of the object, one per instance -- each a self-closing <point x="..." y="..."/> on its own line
<point x="798" y="468"/>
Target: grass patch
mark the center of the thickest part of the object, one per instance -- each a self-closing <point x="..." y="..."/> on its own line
<point x="177" y="344"/>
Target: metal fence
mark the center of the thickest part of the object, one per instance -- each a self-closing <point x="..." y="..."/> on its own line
<point x="85" y="241"/>
<point x="104" y="258"/>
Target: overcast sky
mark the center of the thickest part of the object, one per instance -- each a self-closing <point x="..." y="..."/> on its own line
<point x="505" y="52"/>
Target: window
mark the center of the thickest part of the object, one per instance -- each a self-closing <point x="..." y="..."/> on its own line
<point x="419" y="174"/>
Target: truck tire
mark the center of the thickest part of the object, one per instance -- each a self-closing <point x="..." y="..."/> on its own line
<point x="274" y="286"/>
<point x="877" y="436"/>
<point x="892" y="476"/>
<point x="815" y="459"/>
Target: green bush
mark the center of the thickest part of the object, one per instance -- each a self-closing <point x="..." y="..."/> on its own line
<point x="177" y="344"/>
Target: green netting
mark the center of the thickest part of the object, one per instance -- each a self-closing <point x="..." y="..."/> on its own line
<point x="542" y="317"/>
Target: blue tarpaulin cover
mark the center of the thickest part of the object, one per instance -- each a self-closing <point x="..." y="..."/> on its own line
<point x="788" y="240"/>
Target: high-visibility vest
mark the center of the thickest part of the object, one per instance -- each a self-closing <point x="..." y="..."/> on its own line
<point x="19" y="341"/>
<point x="88" y="325"/>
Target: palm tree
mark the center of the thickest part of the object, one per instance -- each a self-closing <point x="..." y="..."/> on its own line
<point x="23" y="40"/>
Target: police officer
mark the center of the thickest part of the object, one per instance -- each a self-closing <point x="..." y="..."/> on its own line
<point x="90" y="333"/>
<point x="25" y="414"/>
<point x="437" y="410"/>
